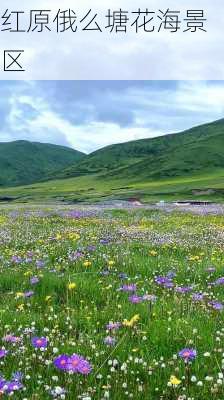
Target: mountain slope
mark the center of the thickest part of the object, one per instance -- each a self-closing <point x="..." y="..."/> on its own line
<point x="188" y="165"/>
<point x="121" y="168"/>
<point x="204" y="155"/>
<point x="23" y="162"/>
<point x="189" y="152"/>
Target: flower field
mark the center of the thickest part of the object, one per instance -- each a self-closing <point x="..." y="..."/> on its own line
<point x="111" y="304"/>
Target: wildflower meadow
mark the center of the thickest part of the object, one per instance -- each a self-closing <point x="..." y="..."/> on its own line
<point x="111" y="304"/>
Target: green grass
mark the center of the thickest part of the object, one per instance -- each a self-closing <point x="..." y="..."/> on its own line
<point x="92" y="189"/>
<point x="142" y="245"/>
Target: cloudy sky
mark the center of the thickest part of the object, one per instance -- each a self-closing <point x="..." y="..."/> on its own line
<point x="95" y="55"/>
<point x="87" y="115"/>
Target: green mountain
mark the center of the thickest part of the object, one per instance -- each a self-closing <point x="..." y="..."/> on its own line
<point x="196" y="150"/>
<point x="187" y="165"/>
<point x="23" y="162"/>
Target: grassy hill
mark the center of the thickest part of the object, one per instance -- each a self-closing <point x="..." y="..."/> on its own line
<point x="187" y="165"/>
<point x="199" y="149"/>
<point x="93" y="188"/>
<point x="23" y="162"/>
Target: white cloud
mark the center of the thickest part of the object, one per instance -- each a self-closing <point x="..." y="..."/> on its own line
<point x="97" y="134"/>
<point x="94" y="55"/>
<point x="151" y="111"/>
<point x="201" y="97"/>
<point x="47" y="126"/>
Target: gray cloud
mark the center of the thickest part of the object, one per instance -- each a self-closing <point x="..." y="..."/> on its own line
<point x="88" y="115"/>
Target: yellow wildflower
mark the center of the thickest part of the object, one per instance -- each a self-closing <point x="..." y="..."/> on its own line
<point x="27" y="273"/>
<point x="73" y="236"/>
<point x="71" y="285"/>
<point x="87" y="263"/>
<point x="174" y="380"/>
<point x="111" y="263"/>
<point x="132" y="321"/>
<point x="153" y="253"/>
<point x="19" y="294"/>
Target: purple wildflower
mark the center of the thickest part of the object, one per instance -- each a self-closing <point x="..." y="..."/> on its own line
<point x="40" y="263"/>
<point x="149" y="297"/>
<point x="73" y="362"/>
<point x="84" y="367"/>
<point x="109" y="341"/>
<point x="61" y="362"/>
<point x="29" y="293"/>
<point x="79" y="364"/>
<point x="135" y="299"/>
<point x="216" y="305"/>
<point x="39" y="342"/>
<point x="16" y="259"/>
<point x="28" y="260"/>
<point x="12" y="339"/>
<point x="187" y="354"/>
<point x="219" y="281"/>
<point x="197" y="296"/>
<point x="104" y="241"/>
<point x="129" y="288"/>
<point x="75" y="255"/>
<point x="12" y="386"/>
<point x="164" y="281"/>
<point x="34" y="280"/>
<point x="17" y="376"/>
<point x="3" y="353"/>
<point x="171" y="275"/>
<point x="91" y="248"/>
<point x="113" y="326"/>
<point x="2" y="383"/>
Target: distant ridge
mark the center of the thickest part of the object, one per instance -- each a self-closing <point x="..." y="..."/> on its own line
<point x="24" y="162"/>
<point x="196" y="150"/>
<point x="188" y="153"/>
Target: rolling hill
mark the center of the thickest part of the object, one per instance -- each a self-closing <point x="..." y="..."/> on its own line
<point x="23" y="162"/>
<point x="197" y="150"/>
<point x="188" y="165"/>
